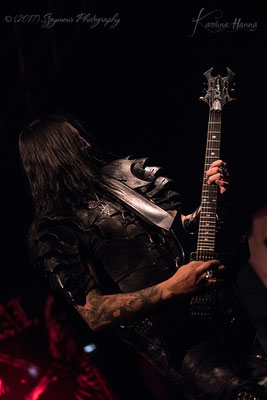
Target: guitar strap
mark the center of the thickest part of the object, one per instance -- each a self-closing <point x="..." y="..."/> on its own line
<point x="142" y="206"/>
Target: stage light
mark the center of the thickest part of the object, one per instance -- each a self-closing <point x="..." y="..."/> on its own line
<point x="89" y="348"/>
<point x="33" y="371"/>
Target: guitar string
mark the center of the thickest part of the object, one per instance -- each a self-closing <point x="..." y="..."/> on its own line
<point x="210" y="193"/>
<point x="206" y="250"/>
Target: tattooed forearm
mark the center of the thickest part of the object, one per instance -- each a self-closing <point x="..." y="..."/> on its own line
<point x="100" y="311"/>
<point x="190" y="222"/>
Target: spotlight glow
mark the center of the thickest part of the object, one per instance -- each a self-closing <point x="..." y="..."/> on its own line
<point x="33" y="371"/>
<point x="89" y="348"/>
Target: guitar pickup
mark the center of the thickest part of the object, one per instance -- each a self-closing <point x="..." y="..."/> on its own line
<point x="204" y="255"/>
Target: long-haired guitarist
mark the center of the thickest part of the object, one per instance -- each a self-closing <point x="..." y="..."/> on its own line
<point x="105" y="234"/>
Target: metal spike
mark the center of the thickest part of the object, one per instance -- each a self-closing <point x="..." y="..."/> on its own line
<point x="150" y="172"/>
<point x="230" y="74"/>
<point x="141" y="161"/>
<point x="207" y="74"/>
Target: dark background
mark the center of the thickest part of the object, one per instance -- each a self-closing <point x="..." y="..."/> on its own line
<point x="136" y="87"/>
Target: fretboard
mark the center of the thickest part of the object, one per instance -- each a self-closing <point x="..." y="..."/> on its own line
<point x="207" y="225"/>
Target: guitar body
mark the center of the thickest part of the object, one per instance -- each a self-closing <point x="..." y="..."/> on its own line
<point x="221" y="305"/>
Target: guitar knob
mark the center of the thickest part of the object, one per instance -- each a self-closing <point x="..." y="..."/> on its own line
<point x="232" y="90"/>
<point x="201" y="98"/>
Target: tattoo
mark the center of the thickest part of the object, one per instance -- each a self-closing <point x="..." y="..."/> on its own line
<point x="109" y="310"/>
<point x="190" y="222"/>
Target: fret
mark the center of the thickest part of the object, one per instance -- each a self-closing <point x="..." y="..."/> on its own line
<point x="205" y="231"/>
<point x="207" y="244"/>
<point x="210" y="225"/>
<point x="212" y="149"/>
<point x="208" y="218"/>
<point x="206" y="241"/>
<point x="209" y="230"/>
<point x="210" y="238"/>
<point x="210" y="241"/>
<point x="211" y="248"/>
<point x="206" y="248"/>
<point x="204" y="235"/>
<point x="205" y="228"/>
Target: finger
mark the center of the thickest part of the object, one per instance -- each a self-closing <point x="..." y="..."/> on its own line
<point x="223" y="185"/>
<point x="214" y="282"/>
<point x="212" y="171"/>
<point x="211" y="264"/>
<point x="213" y="178"/>
<point x="220" y="272"/>
<point x="217" y="272"/>
<point x="217" y="163"/>
<point x="221" y="182"/>
<point x="210" y="281"/>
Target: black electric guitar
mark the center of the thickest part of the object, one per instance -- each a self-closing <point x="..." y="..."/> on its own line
<point x="217" y="95"/>
<point x="232" y="319"/>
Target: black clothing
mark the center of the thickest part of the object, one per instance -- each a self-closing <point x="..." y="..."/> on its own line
<point x="128" y="254"/>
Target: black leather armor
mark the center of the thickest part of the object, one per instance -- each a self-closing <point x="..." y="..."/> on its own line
<point x="130" y="248"/>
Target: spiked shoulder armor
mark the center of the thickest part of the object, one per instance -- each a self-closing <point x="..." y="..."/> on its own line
<point x="138" y="176"/>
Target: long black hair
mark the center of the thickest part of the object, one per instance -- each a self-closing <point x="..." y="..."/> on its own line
<point x="57" y="157"/>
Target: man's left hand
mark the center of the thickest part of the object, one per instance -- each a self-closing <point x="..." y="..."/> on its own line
<point x="218" y="174"/>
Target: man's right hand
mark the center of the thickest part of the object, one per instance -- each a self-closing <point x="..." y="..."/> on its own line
<point x="101" y="311"/>
<point x="191" y="277"/>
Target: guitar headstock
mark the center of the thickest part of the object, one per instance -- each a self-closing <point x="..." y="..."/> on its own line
<point x="217" y="93"/>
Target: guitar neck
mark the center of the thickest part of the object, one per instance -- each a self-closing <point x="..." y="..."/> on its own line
<point x="207" y="225"/>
